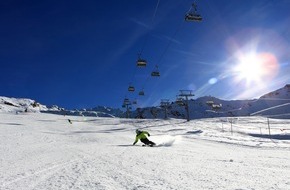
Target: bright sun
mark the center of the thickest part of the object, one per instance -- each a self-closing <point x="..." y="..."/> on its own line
<point x="256" y="68"/>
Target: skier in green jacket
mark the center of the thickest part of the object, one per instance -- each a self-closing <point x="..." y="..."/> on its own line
<point x="143" y="138"/>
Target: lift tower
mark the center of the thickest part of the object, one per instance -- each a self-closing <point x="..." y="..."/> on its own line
<point x="127" y="104"/>
<point x="165" y="104"/>
<point x="186" y="94"/>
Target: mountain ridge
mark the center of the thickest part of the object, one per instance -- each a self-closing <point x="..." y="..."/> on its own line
<point x="273" y="104"/>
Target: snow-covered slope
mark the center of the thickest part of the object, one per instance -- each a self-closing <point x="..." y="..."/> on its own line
<point x="274" y="104"/>
<point x="282" y="93"/>
<point x="44" y="152"/>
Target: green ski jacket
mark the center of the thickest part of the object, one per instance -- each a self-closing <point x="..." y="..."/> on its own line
<point x="140" y="136"/>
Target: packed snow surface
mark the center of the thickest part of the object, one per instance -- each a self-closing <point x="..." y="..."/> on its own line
<point x="44" y="151"/>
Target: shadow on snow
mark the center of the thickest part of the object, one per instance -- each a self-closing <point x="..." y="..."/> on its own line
<point x="277" y="136"/>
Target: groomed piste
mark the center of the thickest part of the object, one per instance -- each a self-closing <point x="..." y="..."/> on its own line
<point x="44" y="151"/>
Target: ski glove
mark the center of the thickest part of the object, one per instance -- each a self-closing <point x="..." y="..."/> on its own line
<point x="148" y="135"/>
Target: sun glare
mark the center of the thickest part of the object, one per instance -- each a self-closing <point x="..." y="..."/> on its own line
<point x="249" y="68"/>
<point x="256" y="68"/>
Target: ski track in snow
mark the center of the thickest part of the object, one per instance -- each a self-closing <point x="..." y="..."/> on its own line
<point x="43" y="151"/>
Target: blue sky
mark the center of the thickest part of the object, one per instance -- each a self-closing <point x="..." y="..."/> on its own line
<point x="80" y="54"/>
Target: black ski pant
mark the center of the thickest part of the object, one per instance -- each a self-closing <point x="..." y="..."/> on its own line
<point x="146" y="141"/>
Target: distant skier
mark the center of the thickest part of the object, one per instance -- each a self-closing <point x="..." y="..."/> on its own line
<point x="143" y="138"/>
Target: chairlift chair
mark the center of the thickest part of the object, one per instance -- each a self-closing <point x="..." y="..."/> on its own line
<point x="209" y="103"/>
<point x="141" y="62"/>
<point x="126" y="101"/>
<point x="216" y="106"/>
<point x="155" y="74"/>
<point x="193" y="15"/>
<point x="180" y="101"/>
<point x="141" y="93"/>
<point x="131" y="89"/>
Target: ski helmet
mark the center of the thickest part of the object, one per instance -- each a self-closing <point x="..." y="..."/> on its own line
<point x="138" y="131"/>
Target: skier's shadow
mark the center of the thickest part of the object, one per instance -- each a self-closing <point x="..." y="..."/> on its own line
<point x="124" y="145"/>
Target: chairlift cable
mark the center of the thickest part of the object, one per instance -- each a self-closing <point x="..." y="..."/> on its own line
<point x="159" y="63"/>
<point x="143" y="46"/>
<point x="151" y="24"/>
<point x="165" y="50"/>
<point x="157" y="66"/>
<point x="193" y="6"/>
<point x="170" y="42"/>
<point x="167" y="47"/>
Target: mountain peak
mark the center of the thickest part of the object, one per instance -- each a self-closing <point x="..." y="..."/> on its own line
<point x="282" y="93"/>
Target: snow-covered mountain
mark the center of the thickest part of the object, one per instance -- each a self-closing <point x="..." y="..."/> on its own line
<point x="99" y="111"/>
<point x="273" y="104"/>
<point x="21" y="105"/>
<point x="18" y="105"/>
